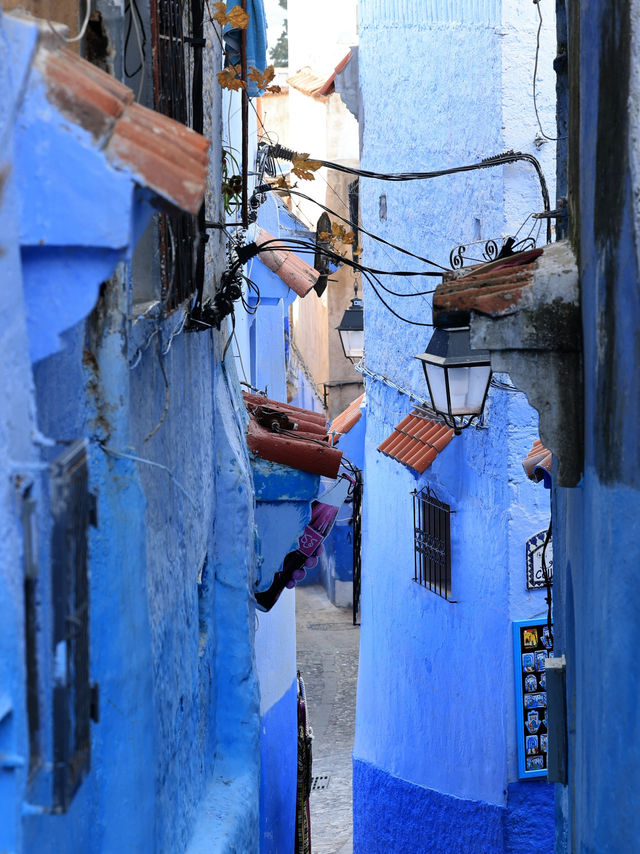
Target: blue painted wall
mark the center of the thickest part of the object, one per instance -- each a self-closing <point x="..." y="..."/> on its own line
<point x="598" y="548"/>
<point x="175" y="756"/>
<point x="435" y="719"/>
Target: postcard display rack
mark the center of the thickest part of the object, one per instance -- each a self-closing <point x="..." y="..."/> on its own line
<point x="533" y="644"/>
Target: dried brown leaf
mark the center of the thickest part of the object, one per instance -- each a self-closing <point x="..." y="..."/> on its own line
<point x="220" y="14"/>
<point x="229" y="78"/>
<point x="238" y="18"/>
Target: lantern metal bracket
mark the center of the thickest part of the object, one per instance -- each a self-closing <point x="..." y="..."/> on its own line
<point x="529" y="319"/>
<point x="489" y="250"/>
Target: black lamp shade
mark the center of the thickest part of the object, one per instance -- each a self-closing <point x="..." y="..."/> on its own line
<point x="457" y="376"/>
<point x="351" y="331"/>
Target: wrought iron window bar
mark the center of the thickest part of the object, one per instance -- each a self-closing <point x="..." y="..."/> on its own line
<point x="432" y="543"/>
<point x="181" y="244"/>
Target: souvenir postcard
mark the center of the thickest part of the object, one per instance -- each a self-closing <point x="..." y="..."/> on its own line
<point x="533" y="722"/>
<point x="535" y="701"/>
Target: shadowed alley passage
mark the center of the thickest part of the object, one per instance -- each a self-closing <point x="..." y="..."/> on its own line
<point x="328" y="645"/>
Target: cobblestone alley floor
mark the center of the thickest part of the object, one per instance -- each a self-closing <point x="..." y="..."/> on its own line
<point x="328" y="662"/>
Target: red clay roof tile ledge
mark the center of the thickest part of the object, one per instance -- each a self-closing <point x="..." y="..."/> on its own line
<point x="347" y="419"/>
<point x="416" y="441"/>
<point x="538" y="461"/>
<point x="282" y="260"/>
<point x="291" y="436"/>
<point x="162" y="154"/>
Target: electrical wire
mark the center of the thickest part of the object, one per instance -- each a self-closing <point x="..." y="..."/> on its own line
<point x="137" y="459"/>
<point x="536" y="3"/>
<point x="369" y="274"/>
<point x="357" y="228"/>
<point x="230" y="338"/>
<point x="131" y="8"/>
<point x="388" y="307"/>
<point x="307" y="248"/>
<point x="506" y="157"/>
<point x="424" y="404"/>
<point x="503" y="386"/>
<point x="322" y="442"/>
<point x="547" y="579"/>
<point x="355" y="225"/>
<point x="83" y="28"/>
<point x="167" y="394"/>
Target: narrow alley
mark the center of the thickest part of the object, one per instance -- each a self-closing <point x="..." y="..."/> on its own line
<point x="327" y="656"/>
<point x="304" y="305"/>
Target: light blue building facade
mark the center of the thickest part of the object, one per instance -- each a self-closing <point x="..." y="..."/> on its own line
<point x="435" y="754"/>
<point x="590" y="423"/>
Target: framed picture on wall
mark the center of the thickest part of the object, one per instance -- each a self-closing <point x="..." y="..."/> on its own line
<point x="532" y="645"/>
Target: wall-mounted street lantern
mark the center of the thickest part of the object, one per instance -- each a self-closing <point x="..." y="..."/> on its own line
<point x="457" y="376"/>
<point x="351" y="331"/>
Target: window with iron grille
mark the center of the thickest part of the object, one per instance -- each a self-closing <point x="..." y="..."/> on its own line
<point x="74" y="699"/>
<point x="181" y="253"/>
<point x="432" y="542"/>
<point x="31" y="626"/>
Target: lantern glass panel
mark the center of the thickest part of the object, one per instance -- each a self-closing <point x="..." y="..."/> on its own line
<point x="437" y="386"/>
<point x="353" y="343"/>
<point x="467" y="387"/>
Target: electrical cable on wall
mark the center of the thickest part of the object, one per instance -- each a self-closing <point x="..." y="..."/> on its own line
<point x="292" y="192"/>
<point x="81" y="33"/>
<point x="135" y="21"/>
<point x="536" y="3"/>
<point x="282" y="153"/>
<point x="370" y="275"/>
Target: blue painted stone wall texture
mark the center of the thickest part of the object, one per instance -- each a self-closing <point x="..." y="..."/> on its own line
<point x="597" y="594"/>
<point x="529" y="820"/>
<point x="392" y="814"/>
<point x="278" y="755"/>
<point x="435" y="705"/>
<point x="16" y="425"/>
<point x="175" y="756"/>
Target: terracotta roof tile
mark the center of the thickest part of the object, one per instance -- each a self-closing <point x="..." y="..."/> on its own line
<point x="494" y="289"/>
<point x="347" y="419"/>
<point x="163" y="154"/>
<point x="538" y="462"/>
<point x="330" y="85"/>
<point x="317" y="86"/>
<point x="308" y="414"/>
<point x="273" y="434"/>
<point x="308" y="82"/>
<point x="283" y="261"/>
<point x="416" y="441"/>
<point x="422" y="459"/>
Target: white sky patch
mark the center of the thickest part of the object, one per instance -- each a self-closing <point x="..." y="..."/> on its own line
<point x="275" y="22"/>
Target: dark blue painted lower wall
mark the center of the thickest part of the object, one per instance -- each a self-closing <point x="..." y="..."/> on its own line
<point x="278" y="775"/>
<point x="529" y="819"/>
<point x="393" y="816"/>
